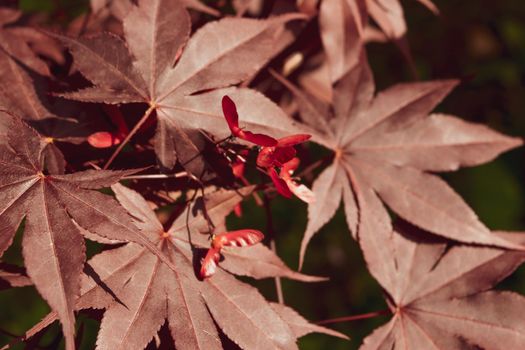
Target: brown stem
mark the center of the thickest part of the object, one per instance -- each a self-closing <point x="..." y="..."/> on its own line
<point x="129" y="136"/>
<point x="9" y="334"/>
<point x="216" y="143"/>
<point x="84" y="25"/>
<point x="46" y="321"/>
<point x="156" y="176"/>
<point x="255" y="195"/>
<point x="311" y="167"/>
<point x="354" y="317"/>
<point x="273" y="247"/>
<point x="278" y="285"/>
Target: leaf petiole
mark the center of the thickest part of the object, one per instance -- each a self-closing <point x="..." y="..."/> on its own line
<point x="355" y="317"/>
<point x="130" y="135"/>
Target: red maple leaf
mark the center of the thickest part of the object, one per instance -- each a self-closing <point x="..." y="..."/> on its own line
<point x="158" y="65"/>
<point x="54" y="205"/>
<point x="385" y="146"/>
<point x="439" y="294"/>
<point x="139" y="293"/>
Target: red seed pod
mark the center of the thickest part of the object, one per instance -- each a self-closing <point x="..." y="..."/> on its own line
<point x="210" y="262"/>
<point x="299" y="190"/>
<point x="280" y="185"/>
<point x="289" y="168"/>
<point x="238" y="210"/>
<point x="258" y="139"/>
<point x="293" y="140"/>
<point x="232" y="118"/>
<point x="230" y="114"/>
<point x="239" y="238"/>
<point x="238" y="169"/>
<point x="117" y="118"/>
<point x="282" y="153"/>
<point x="104" y="139"/>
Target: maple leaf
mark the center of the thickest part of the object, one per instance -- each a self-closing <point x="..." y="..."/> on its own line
<point x="13" y="276"/>
<point x="119" y="8"/>
<point x="167" y="71"/>
<point x="388" y="14"/>
<point x="345" y="21"/>
<point x="26" y="103"/>
<point x="438" y="294"/>
<point x="299" y="325"/>
<point x="25" y="43"/>
<point x="52" y="246"/>
<point x="344" y="29"/>
<point x="139" y="293"/>
<point x="342" y="24"/>
<point x="387" y="145"/>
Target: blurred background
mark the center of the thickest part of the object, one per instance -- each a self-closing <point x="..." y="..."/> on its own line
<point x="482" y="43"/>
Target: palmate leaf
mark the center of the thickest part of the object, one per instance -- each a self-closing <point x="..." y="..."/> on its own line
<point x="385" y="145"/>
<point x="388" y="14"/>
<point x="13" y="276"/>
<point x="26" y="43"/>
<point x="344" y="27"/>
<point x="27" y="102"/>
<point x="439" y="297"/>
<point x="167" y="71"/>
<point x="140" y="294"/>
<point x="342" y="24"/>
<point x="53" y="247"/>
<point x="344" y="21"/>
<point x="24" y="100"/>
<point x="119" y="8"/>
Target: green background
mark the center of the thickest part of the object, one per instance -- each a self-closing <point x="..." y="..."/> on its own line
<point x="483" y="43"/>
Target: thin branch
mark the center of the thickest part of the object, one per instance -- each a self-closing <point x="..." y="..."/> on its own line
<point x="44" y="323"/>
<point x="273" y="247"/>
<point x="156" y="176"/>
<point x="223" y="140"/>
<point x="188" y="210"/>
<point x="84" y="25"/>
<point x="129" y="136"/>
<point x="255" y="195"/>
<point x="311" y="167"/>
<point x="355" y="317"/>
<point x="278" y="285"/>
<point x="9" y="334"/>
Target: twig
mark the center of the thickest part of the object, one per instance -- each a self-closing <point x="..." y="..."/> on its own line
<point x="45" y="322"/>
<point x="278" y="285"/>
<point x="9" y="334"/>
<point x="156" y="176"/>
<point x="273" y="247"/>
<point x="85" y="22"/>
<point x="311" y="167"/>
<point x="255" y="195"/>
<point x="129" y="136"/>
<point x="355" y="317"/>
<point x="188" y="209"/>
<point x="222" y="140"/>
